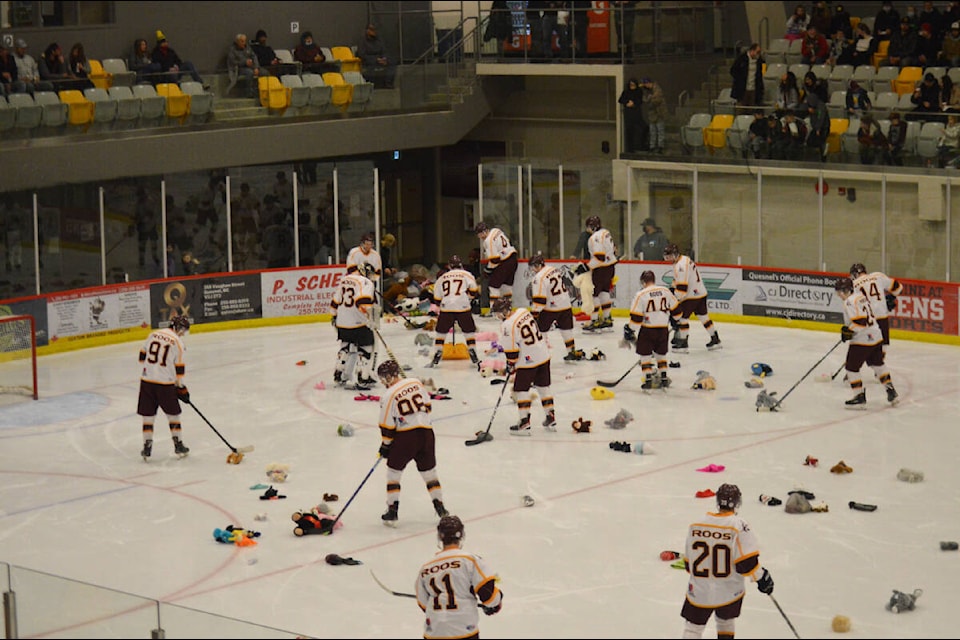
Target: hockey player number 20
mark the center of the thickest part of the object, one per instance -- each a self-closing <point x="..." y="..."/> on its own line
<point x="715" y="558"/>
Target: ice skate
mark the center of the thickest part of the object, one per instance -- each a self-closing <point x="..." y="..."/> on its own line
<point x="366" y="381"/>
<point x="574" y="355"/>
<point x="521" y="429"/>
<point x="179" y="448"/>
<point x="391" y="515"/>
<point x="682" y="345"/>
<point x="892" y="396"/>
<point x="606" y="322"/>
<point x="858" y="401"/>
<point x="440" y="509"/>
<point x="473" y="356"/>
<point x="437" y="355"/>
<point x="550" y="422"/>
<point x="714" y="342"/>
<point x="664" y="381"/>
<point x="338" y="377"/>
<point x="147" y="450"/>
<point x="650" y="383"/>
<point x="593" y="326"/>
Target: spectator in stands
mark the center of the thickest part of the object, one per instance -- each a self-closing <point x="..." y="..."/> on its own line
<point x="911" y="18"/>
<point x="839" y="44"/>
<point x="624" y="19"/>
<point x="634" y="125"/>
<point x="309" y="239"/>
<point x="934" y="18"/>
<point x="819" y="118"/>
<point x="310" y="56"/>
<point x="579" y="16"/>
<point x="797" y="23"/>
<point x="858" y="100"/>
<point x="747" y="74"/>
<point x="78" y="64"/>
<point x="164" y="55"/>
<point x="903" y="47"/>
<point x="267" y="57"/>
<point x="28" y="72"/>
<point x="548" y="25"/>
<point x="950" y="49"/>
<point x="820" y="17"/>
<point x="656" y="114"/>
<point x="283" y="193"/>
<point x="887" y="22"/>
<point x="243" y="65"/>
<point x="278" y="241"/>
<point x="54" y="69"/>
<point x="926" y="97"/>
<point x="535" y="25"/>
<point x="814" y="48"/>
<point x="792" y="133"/>
<point x="9" y="82"/>
<point x="928" y="47"/>
<point x="788" y="93"/>
<point x="896" y="139"/>
<point x="948" y="147"/>
<point x="377" y="67"/>
<point x="814" y="86"/>
<point x="142" y="63"/>
<point x="873" y="144"/>
<point x="949" y="94"/>
<point x="841" y="22"/>
<point x="952" y="14"/>
<point x="862" y="50"/>
<point x="762" y="135"/>
<point x="499" y="25"/>
<point x="146" y="220"/>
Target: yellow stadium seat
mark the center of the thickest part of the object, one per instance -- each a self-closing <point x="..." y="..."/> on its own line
<point x="100" y="78"/>
<point x="178" y="103"/>
<point x="273" y="95"/>
<point x="883" y="50"/>
<point x="348" y="61"/>
<point x="342" y="90"/>
<point x="80" y="109"/>
<point x="715" y="134"/>
<point x="907" y="80"/>
<point x="838" y="126"/>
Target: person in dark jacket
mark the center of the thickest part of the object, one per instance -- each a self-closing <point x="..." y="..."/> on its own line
<point x="499" y="24"/>
<point x="164" y="55"/>
<point x="747" y="74"/>
<point x="634" y="125"/>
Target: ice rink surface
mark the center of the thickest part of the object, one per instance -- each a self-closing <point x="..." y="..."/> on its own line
<point x="77" y="500"/>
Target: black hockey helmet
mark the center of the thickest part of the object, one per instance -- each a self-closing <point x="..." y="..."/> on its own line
<point x="843" y="284"/>
<point x="388" y="369"/>
<point x="455" y="262"/>
<point x="450" y="530"/>
<point x="180" y="324"/>
<point x="367" y="237"/>
<point x="728" y="497"/>
<point x="501" y="306"/>
<point x="647" y="277"/>
<point x="671" y="251"/>
<point x="857" y="270"/>
<point x="481" y="228"/>
<point x="593" y="223"/>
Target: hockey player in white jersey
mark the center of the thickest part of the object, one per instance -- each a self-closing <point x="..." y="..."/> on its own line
<point x="690" y="290"/>
<point x="861" y="330"/>
<point x="454" y="291"/>
<point x="881" y="291"/>
<point x="650" y="314"/>
<point x="161" y="382"/>
<point x="602" y="266"/>
<point x="499" y="259"/>
<point x="352" y="303"/>
<point x="550" y="304"/>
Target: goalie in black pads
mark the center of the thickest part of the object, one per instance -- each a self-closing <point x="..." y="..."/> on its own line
<point x="721" y="550"/>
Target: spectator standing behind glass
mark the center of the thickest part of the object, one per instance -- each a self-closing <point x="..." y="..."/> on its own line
<point x="896" y="139"/>
<point x="634" y="124"/>
<point x="820" y="17"/>
<point x="499" y="25"/>
<point x="142" y="63"/>
<point x="377" y="67"/>
<point x="582" y="250"/>
<point x="651" y="244"/>
<point x="145" y="221"/>
<point x="164" y="55"/>
<point x="656" y="114"/>
<point x="624" y="19"/>
<point x="277" y="242"/>
<point x="28" y="72"/>
<point x="887" y="22"/>
<point x="797" y="23"/>
<point x="243" y="65"/>
<point x="815" y="49"/>
<point x="548" y="24"/>
<point x="747" y="74"/>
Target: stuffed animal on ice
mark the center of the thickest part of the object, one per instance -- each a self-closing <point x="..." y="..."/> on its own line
<point x="767" y="400"/>
<point x="900" y="601"/>
<point x="581" y="426"/>
<point x="705" y="381"/>
<point x="235" y="535"/>
<point x="620" y="420"/>
<point x="317" y="521"/>
<point x="493" y="367"/>
<point x="278" y="472"/>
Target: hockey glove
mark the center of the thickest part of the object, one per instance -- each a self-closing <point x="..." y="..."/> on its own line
<point x="492" y="610"/>
<point x="765" y="583"/>
<point x="846" y="333"/>
<point x="581" y="268"/>
<point x="891" y="302"/>
<point x="510" y="368"/>
<point x="384" y="451"/>
<point x="184" y="394"/>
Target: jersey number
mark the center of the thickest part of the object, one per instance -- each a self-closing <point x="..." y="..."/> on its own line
<point x="709" y="559"/>
<point x="445" y="593"/>
<point x="530" y="332"/>
<point x="446" y="286"/>
<point x="158" y="352"/>
<point x="412" y="404"/>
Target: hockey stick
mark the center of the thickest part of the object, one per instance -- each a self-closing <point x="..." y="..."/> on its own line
<point x="389" y="351"/>
<point x="785" y="618"/>
<point x="783" y="397"/>
<point x="485" y="436"/>
<point x="389" y="590"/>
<point x="838" y="371"/>
<point x="327" y="525"/>
<point x="620" y="379"/>
<point x="246" y="449"/>
<point x="410" y="324"/>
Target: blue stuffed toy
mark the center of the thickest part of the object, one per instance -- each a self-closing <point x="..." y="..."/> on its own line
<point x="759" y="368"/>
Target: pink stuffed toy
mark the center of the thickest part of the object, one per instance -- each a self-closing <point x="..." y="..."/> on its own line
<point x="492" y="366"/>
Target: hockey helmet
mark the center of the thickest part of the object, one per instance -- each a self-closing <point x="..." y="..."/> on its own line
<point x="728" y="497"/>
<point x="501" y="306"/>
<point x="536" y="262"/>
<point x="180" y="324"/>
<point x="388" y="369"/>
<point x="450" y="530"/>
<point x="857" y="270"/>
<point x="367" y="237"/>
<point x="647" y="277"/>
<point x="843" y="284"/>
<point x="670" y="251"/>
<point x="481" y="228"/>
<point x="455" y="262"/>
<point x="593" y="223"/>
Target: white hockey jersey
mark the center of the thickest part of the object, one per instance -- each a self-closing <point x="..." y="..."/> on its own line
<point x="356" y="257"/>
<point x="687" y="284"/>
<point x="162" y="358"/>
<point x="522" y="341"/>
<point x="720" y="550"/>
<point x="858" y="316"/>
<point x="405" y="406"/>
<point x="603" y="252"/>
<point x="496" y="248"/>
<point x="454" y="290"/>
<point x="548" y="291"/>
<point x="448" y="588"/>
<point x="652" y="307"/>
<point x="875" y="286"/>
<point x="352" y="301"/>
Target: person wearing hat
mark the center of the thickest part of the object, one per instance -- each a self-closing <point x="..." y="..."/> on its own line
<point x="840" y="21"/>
<point x="267" y="56"/>
<point x="950" y="48"/>
<point x="634" y="124"/>
<point x="28" y="72"/>
<point x="904" y="43"/>
<point x="164" y="55"/>
<point x="651" y="244"/>
<point x="886" y="24"/>
<point x="926" y="97"/>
